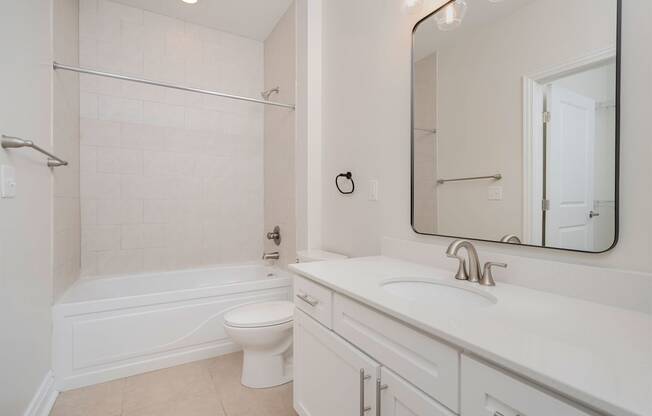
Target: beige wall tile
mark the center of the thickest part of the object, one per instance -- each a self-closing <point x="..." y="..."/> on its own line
<point x="165" y="166"/>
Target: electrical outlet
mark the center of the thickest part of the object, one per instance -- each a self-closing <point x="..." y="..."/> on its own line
<point x="495" y="193"/>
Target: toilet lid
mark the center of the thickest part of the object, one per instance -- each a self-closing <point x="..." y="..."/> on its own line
<point x="260" y="314"/>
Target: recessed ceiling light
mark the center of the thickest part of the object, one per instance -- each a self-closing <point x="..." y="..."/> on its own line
<point x="189" y="1"/>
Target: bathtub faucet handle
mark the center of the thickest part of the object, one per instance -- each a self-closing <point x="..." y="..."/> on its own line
<point x="275" y="235"/>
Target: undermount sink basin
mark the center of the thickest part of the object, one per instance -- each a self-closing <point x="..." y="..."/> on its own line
<point x="440" y="293"/>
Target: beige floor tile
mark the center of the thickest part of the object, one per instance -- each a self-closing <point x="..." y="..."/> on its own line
<point x="176" y="384"/>
<point x="99" y="400"/>
<point x="238" y="400"/>
<point x="203" y="405"/>
<point x="203" y="388"/>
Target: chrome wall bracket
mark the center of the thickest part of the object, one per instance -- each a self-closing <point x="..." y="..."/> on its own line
<point x="11" y="142"/>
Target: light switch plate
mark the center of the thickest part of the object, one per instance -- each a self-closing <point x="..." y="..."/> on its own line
<point x="373" y="190"/>
<point x="495" y="193"/>
<point x="7" y="181"/>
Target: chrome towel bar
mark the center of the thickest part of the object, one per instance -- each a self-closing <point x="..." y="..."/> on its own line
<point x="497" y="176"/>
<point x="80" y="70"/>
<point x="433" y="131"/>
<point x="10" y="142"/>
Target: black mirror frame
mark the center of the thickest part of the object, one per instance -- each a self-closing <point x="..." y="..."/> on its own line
<point x="616" y="155"/>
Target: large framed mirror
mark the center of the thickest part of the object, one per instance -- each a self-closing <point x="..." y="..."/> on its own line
<point x="515" y="122"/>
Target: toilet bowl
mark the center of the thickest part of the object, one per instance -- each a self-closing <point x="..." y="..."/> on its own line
<point x="264" y="331"/>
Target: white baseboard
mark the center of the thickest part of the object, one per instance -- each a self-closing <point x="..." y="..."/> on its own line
<point x="44" y="398"/>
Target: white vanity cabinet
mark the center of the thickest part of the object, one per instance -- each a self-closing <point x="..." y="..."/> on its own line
<point x="428" y="364"/>
<point x="487" y="391"/>
<point x="352" y="360"/>
<point x="331" y="377"/>
<point x="400" y="398"/>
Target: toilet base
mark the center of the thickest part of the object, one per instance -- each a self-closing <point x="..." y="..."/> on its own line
<point x="261" y="370"/>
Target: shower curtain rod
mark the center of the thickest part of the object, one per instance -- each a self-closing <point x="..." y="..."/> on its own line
<point x="57" y="65"/>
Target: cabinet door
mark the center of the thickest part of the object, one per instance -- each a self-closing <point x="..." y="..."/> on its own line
<point x="400" y="398"/>
<point x="331" y="377"/>
<point x="487" y="391"/>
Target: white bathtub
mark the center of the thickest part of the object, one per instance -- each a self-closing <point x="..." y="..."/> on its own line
<point x="112" y="327"/>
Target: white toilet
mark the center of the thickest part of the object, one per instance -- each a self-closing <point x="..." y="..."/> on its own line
<point x="264" y="330"/>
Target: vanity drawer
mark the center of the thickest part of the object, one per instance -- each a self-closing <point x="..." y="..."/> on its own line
<point x="314" y="299"/>
<point x="490" y="392"/>
<point x="425" y="362"/>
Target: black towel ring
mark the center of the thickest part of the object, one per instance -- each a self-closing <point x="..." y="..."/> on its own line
<point x="348" y="176"/>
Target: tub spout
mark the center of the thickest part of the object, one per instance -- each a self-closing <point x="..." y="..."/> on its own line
<point x="273" y="255"/>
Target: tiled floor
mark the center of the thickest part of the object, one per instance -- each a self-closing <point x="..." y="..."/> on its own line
<point x="204" y="388"/>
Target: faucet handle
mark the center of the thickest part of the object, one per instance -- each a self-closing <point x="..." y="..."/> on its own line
<point x="487" y="276"/>
<point x="462" y="273"/>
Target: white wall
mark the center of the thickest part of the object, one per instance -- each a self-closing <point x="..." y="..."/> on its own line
<point x="168" y="179"/>
<point x="65" y="135"/>
<point x="280" y="135"/>
<point x="308" y="144"/>
<point x="26" y="221"/>
<point x="366" y="77"/>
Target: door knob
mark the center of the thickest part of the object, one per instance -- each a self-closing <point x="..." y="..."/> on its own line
<point x="594" y="214"/>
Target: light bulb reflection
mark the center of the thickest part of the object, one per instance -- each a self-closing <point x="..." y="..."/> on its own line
<point x="451" y="16"/>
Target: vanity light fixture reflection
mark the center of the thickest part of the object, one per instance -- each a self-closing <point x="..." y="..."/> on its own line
<point x="412" y="6"/>
<point x="451" y="16"/>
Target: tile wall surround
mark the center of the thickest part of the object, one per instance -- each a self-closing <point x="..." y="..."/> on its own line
<point x="169" y="179"/>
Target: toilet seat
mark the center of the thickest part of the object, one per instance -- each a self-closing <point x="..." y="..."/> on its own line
<point x="259" y="315"/>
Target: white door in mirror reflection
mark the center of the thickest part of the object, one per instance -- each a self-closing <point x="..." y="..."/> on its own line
<point x="570" y="141"/>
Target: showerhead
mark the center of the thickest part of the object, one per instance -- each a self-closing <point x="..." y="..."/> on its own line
<point x="266" y="94"/>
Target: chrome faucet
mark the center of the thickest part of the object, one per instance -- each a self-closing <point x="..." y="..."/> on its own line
<point x="472" y="274"/>
<point x="272" y="255"/>
<point x="487" y="277"/>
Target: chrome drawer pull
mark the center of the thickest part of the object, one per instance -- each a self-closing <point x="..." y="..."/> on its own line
<point x="308" y="299"/>
<point x="363" y="377"/>
<point x="379" y="389"/>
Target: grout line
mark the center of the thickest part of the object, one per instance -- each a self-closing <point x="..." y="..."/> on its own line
<point x="122" y="396"/>
<point x="223" y="408"/>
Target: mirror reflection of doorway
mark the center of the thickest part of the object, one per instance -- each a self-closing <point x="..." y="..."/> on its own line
<point x="569" y="173"/>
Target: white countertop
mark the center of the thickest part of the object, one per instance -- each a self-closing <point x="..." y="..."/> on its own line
<point x="598" y="355"/>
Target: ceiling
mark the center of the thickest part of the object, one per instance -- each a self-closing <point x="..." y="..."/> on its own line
<point x="253" y="19"/>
